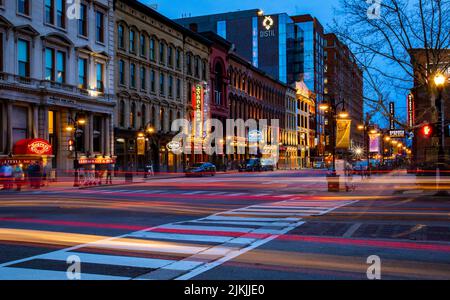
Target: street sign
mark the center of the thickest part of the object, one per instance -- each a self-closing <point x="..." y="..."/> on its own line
<point x="397" y="133"/>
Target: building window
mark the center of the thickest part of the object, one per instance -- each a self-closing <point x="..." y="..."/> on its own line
<point x="121" y="72"/>
<point x="161" y="52"/>
<point x="133" y="75"/>
<point x="23" y="50"/>
<point x="178" y="95"/>
<point x="82" y="22"/>
<point x="60" y="67"/>
<point x="120" y="36"/>
<point x="170" y="87"/>
<point x="222" y="29"/>
<point x="97" y="134"/>
<point x="49" y="64"/>
<point x="82" y="73"/>
<point x="132" y="41"/>
<point x="142" y="44"/>
<point x="178" y="58"/>
<point x="169" y="56"/>
<point x="204" y="70"/>
<point x="152" y="49"/>
<point x="143" y="79"/>
<point x="133" y="115"/>
<point x="1" y="52"/>
<point x="100" y="78"/>
<point x="197" y="67"/>
<point x="161" y="84"/>
<point x="122" y="113"/>
<point x="23" y="7"/>
<point x="19" y="123"/>
<point x="189" y="64"/>
<point x="143" y="116"/>
<point x="60" y="21"/>
<point x="152" y="81"/>
<point x="99" y="27"/>
<point x="49" y="11"/>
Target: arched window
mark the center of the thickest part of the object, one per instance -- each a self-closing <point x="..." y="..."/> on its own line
<point x="120" y="36"/>
<point x="161" y="118"/>
<point x="133" y="115"/>
<point x="143" y="116"/>
<point x="218" y="89"/>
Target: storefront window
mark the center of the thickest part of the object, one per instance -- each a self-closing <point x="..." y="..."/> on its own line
<point x="19" y="123"/>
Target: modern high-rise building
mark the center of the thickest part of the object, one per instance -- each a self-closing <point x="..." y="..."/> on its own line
<point x="314" y="69"/>
<point x="272" y="43"/>
<point x="344" y="84"/>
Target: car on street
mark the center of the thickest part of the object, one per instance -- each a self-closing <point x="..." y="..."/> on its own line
<point x="251" y="165"/>
<point x="201" y="169"/>
<point x="267" y="164"/>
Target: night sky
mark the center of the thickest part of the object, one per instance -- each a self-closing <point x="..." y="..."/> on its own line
<point x="321" y="9"/>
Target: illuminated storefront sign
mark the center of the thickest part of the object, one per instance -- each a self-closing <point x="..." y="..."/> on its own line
<point x="410" y="106"/>
<point x="96" y="161"/>
<point x="391" y="115"/>
<point x="374" y="142"/>
<point x="398" y="133"/>
<point x="197" y="105"/>
<point x="140" y="146"/>
<point x="174" y="146"/>
<point x="33" y="147"/>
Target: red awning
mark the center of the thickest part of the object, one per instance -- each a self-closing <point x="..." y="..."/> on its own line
<point x="32" y="147"/>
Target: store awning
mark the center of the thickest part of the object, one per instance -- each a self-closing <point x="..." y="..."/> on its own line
<point x="33" y="147"/>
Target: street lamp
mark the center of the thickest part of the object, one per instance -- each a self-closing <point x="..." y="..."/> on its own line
<point x="439" y="81"/>
<point x="330" y="107"/>
<point x="73" y="126"/>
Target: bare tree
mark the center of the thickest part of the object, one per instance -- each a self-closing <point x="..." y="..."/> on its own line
<point x="385" y="35"/>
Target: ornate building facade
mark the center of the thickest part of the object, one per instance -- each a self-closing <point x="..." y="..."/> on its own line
<point x="56" y="69"/>
<point x="157" y="64"/>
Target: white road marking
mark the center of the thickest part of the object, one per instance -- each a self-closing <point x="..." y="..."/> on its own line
<point x="181" y="237"/>
<point x="38" y="274"/>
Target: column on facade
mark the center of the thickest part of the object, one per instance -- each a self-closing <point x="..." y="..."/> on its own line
<point x="9" y="135"/>
<point x="107" y="135"/>
<point x="88" y="134"/>
<point x="157" y="118"/>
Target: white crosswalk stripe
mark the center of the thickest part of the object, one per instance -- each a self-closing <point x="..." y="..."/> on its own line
<point x="190" y="247"/>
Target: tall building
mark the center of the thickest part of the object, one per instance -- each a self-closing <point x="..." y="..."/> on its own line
<point x="314" y="70"/>
<point x="344" y="85"/>
<point x="54" y="70"/>
<point x="273" y="43"/>
<point x="158" y="63"/>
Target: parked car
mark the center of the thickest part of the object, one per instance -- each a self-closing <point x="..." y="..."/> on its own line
<point x="267" y="164"/>
<point x="201" y="169"/>
<point x="319" y="165"/>
<point x="251" y="165"/>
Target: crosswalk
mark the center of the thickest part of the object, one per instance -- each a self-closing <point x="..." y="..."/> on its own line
<point x="179" y="250"/>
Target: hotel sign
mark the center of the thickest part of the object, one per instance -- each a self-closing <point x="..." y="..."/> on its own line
<point x="267" y="24"/>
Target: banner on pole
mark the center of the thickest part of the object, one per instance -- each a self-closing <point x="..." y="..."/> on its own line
<point x="343" y="129"/>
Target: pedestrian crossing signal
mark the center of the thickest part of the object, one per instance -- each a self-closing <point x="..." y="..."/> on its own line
<point x="427" y="130"/>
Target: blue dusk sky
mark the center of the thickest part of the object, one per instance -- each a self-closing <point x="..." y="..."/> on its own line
<point x="323" y="10"/>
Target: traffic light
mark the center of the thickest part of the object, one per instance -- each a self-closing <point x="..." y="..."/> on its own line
<point x="428" y="130"/>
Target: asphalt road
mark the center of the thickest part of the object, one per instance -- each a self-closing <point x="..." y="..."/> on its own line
<point x="274" y="225"/>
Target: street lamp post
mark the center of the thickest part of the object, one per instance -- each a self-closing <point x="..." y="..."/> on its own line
<point x="331" y="108"/>
<point x="74" y="125"/>
<point x="365" y="129"/>
<point x="439" y="81"/>
<point x="147" y="130"/>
